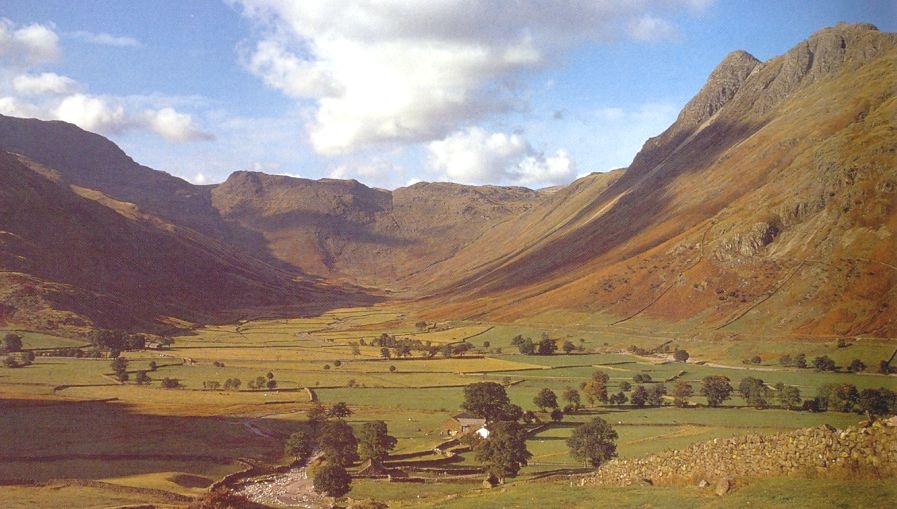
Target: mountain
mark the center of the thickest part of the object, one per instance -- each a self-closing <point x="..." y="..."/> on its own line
<point x="769" y="206"/>
<point x="72" y="257"/>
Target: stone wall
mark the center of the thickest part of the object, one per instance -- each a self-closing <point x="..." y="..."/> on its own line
<point x="813" y="452"/>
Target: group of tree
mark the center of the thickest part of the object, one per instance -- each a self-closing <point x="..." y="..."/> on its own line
<point x="263" y="382"/>
<point x="120" y="341"/>
<point x="120" y="369"/>
<point x="821" y="363"/>
<point x="847" y="398"/>
<point x="336" y="441"/>
<point x="526" y="346"/>
<point x="11" y="345"/>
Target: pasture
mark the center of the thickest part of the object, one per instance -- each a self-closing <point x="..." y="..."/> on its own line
<point x="69" y="430"/>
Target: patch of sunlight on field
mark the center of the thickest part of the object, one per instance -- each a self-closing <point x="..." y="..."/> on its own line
<point x="38" y="340"/>
<point x="454" y="335"/>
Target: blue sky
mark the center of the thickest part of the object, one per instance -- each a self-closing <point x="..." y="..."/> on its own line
<point x="527" y="93"/>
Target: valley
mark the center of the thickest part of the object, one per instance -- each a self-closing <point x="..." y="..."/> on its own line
<point x="163" y="339"/>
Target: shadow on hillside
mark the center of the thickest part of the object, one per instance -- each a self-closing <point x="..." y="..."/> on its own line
<point x="630" y="225"/>
<point x="42" y="440"/>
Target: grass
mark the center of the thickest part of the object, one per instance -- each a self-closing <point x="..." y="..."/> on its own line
<point x="150" y="437"/>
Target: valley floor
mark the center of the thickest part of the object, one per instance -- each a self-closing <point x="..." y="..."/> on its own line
<point x="71" y="435"/>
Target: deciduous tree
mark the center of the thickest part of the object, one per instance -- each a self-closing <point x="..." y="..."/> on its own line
<point x="593" y="442"/>
<point x="374" y="441"/>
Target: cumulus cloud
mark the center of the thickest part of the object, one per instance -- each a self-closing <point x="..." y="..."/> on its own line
<point x="93" y="114"/>
<point x="174" y="126"/>
<point x="105" y="39"/>
<point x="27" y="46"/>
<point x="15" y="108"/>
<point x="44" y="83"/>
<point x="475" y="156"/>
<point x="394" y="71"/>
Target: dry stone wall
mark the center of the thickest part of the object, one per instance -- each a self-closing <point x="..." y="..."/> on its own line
<point x="813" y="452"/>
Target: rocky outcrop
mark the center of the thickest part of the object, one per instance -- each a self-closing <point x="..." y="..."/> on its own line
<point x="813" y="452"/>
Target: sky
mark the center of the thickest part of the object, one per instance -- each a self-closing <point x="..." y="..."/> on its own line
<point x="389" y="92"/>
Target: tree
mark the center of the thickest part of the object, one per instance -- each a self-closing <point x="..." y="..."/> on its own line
<point x="142" y="378"/>
<point x="271" y="384"/>
<point x="332" y="480"/>
<point x="153" y="366"/>
<point x="527" y="347"/>
<point x="170" y="383"/>
<point x="680" y="356"/>
<point x="120" y="368"/>
<point x="300" y="446"/>
<point x="557" y="415"/>
<point x="232" y="384"/>
<point x="754" y="392"/>
<point x="656" y="394"/>
<point x="12" y="342"/>
<point x="547" y="346"/>
<point x="824" y="363"/>
<point x="716" y="389"/>
<point x="756" y="359"/>
<point x="338" y="443"/>
<point x="572" y="397"/>
<point x="374" y="441"/>
<point x="625" y="386"/>
<point x="10" y="362"/>
<point x="789" y="397"/>
<point x="682" y="391"/>
<point x="385" y="353"/>
<point x="872" y="403"/>
<point x="641" y="378"/>
<point x="595" y="388"/>
<point x="546" y="398"/>
<point x="800" y="361"/>
<point x="339" y="410"/>
<point x="488" y="400"/>
<point x="856" y="366"/>
<point x="593" y="442"/>
<point x="504" y="452"/>
<point x="639" y="396"/>
<point x="316" y="415"/>
<point x="568" y="347"/>
<point x="838" y="397"/>
<point x="421" y="325"/>
<point x="618" y="398"/>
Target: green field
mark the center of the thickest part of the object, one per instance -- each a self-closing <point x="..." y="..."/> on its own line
<point x="89" y="441"/>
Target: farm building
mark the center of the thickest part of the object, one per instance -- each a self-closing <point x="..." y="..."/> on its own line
<point x="462" y="423"/>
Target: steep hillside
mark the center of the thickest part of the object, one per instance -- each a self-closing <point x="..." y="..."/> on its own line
<point x="769" y="206"/>
<point x="348" y="231"/>
<point x="73" y="257"/>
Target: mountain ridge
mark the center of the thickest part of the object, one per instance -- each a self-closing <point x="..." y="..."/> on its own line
<point x="776" y="175"/>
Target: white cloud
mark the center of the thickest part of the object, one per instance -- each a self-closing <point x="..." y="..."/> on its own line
<point x="475" y="156"/>
<point x="652" y="28"/>
<point x="44" y="83"/>
<point x="15" y="108"/>
<point x="174" y="126"/>
<point x="395" y="71"/>
<point x="27" y="46"/>
<point x="93" y="114"/>
<point x="105" y="39"/>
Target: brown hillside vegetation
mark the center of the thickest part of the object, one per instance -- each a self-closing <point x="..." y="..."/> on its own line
<point x="770" y="205"/>
<point x="73" y="257"/>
